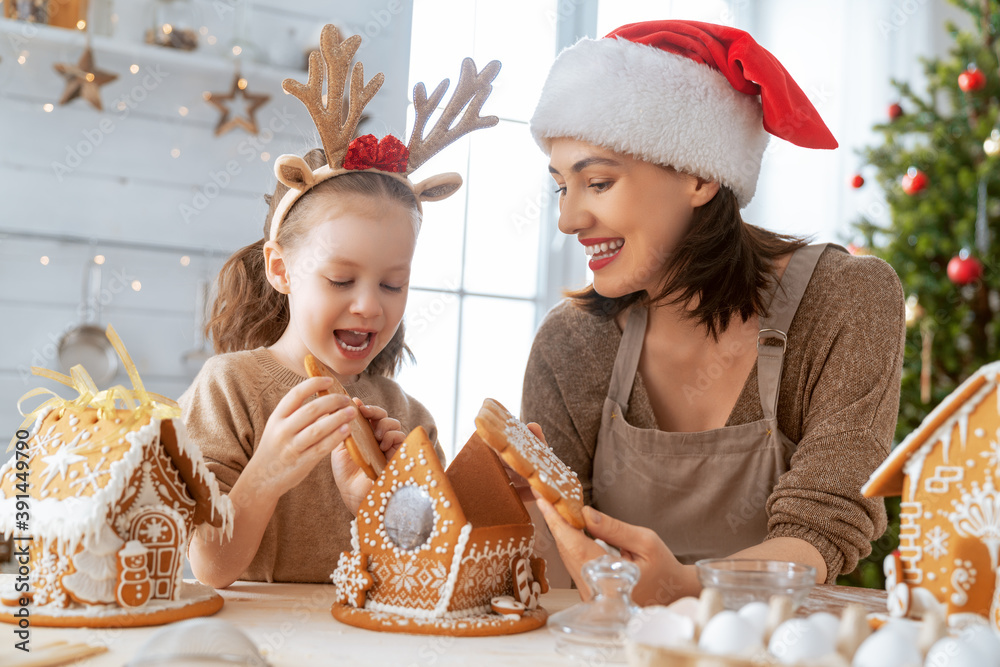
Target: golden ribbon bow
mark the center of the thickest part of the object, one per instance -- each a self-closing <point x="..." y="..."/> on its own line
<point x="137" y="399"/>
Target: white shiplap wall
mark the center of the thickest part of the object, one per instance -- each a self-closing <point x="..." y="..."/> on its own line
<point x="76" y="182"/>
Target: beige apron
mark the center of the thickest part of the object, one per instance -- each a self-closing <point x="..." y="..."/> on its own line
<point x="704" y="493"/>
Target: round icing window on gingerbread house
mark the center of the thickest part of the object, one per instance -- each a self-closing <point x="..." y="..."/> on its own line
<point x="409" y="517"/>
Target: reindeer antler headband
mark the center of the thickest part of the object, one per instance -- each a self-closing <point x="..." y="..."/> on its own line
<point x="388" y="156"/>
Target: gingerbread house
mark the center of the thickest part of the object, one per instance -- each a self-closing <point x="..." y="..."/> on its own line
<point x="108" y="498"/>
<point x="432" y="549"/>
<point x="946" y="474"/>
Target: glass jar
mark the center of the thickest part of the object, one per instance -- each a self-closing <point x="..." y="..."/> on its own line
<point x="174" y="23"/>
<point x="593" y="632"/>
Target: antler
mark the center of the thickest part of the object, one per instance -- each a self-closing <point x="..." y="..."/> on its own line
<point x="473" y="88"/>
<point x="335" y="131"/>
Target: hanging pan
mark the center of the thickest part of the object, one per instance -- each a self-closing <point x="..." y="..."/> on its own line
<point x="86" y="343"/>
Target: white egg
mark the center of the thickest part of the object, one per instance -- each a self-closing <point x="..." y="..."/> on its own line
<point x="799" y="639"/>
<point x="756" y="613"/>
<point x="827" y="622"/>
<point x="660" y="626"/>
<point x="727" y="633"/>
<point x="984" y="639"/>
<point x="888" y="647"/>
<point x="685" y="607"/>
<point x="950" y="652"/>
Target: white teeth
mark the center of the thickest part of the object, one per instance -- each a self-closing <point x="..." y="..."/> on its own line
<point x="599" y="249"/>
<point x="352" y="348"/>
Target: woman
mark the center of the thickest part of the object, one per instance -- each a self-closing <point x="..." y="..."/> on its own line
<point x="720" y="389"/>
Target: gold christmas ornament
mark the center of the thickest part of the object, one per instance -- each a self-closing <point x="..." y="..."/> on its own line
<point x="84" y="80"/>
<point x="254" y="102"/>
<point x="992" y="144"/>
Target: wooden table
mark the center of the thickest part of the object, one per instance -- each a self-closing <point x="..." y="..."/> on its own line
<point x="292" y="626"/>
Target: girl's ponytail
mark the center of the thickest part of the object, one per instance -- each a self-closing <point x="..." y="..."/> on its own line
<point x="248" y="313"/>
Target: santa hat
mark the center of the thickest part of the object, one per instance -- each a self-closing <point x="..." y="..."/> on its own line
<point x="698" y="97"/>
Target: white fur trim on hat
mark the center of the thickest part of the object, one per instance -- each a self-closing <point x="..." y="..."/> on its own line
<point x="655" y="105"/>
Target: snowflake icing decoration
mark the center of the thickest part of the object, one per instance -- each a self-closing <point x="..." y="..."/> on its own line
<point x="352" y="579"/>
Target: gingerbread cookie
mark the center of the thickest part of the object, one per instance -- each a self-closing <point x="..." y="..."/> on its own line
<point x="532" y="459"/>
<point x="505" y="604"/>
<point x="361" y="443"/>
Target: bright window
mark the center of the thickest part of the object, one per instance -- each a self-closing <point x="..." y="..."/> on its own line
<point x="474" y="290"/>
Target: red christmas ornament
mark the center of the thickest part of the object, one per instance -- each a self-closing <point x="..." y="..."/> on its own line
<point x="367" y="152"/>
<point x="895" y="111"/>
<point x="964" y="269"/>
<point x="971" y="79"/>
<point x="857" y="181"/>
<point x="914" y="181"/>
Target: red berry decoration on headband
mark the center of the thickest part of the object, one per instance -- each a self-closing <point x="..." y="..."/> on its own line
<point x="367" y="152"/>
<point x="895" y="111"/>
<point x="914" y="181"/>
<point x="964" y="269"/>
<point x="857" y="181"/>
<point x="971" y="79"/>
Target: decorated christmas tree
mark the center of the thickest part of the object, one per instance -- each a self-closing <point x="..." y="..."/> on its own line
<point x="939" y="166"/>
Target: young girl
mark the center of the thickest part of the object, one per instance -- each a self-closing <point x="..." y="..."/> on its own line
<point x="329" y="278"/>
<point x="332" y="284"/>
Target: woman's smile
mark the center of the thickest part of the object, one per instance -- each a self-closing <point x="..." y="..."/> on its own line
<point x="602" y="251"/>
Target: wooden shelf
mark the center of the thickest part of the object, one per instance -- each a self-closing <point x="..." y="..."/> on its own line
<point x="32" y="33"/>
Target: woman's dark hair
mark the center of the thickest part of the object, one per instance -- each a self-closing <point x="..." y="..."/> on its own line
<point x="722" y="261"/>
<point x="249" y="313"/>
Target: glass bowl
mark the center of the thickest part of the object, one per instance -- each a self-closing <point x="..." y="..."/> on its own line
<point x="742" y="581"/>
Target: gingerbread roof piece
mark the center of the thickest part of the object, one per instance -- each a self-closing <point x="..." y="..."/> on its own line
<point x="483" y="488"/>
<point x="887" y="480"/>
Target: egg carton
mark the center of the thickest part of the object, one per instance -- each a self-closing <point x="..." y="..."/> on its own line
<point x="789" y="644"/>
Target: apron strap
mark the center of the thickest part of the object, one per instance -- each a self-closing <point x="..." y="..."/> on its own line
<point x="627" y="360"/>
<point x="781" y="311"/>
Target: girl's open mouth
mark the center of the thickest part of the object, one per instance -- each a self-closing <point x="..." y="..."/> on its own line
<point x="354" y="344"/>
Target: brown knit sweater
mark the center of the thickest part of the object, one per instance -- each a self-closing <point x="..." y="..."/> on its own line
<point x="225" y="410"/>
<point x="839" y="399"/>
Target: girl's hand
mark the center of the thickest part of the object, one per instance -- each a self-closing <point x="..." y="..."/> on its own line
<point x="353" y="483"/>
<point x="662" y="578"/>
<point x="297" y="436"/>
<point x="388" y="431"/>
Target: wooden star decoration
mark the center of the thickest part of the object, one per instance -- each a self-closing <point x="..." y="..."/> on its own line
<point x="84" y="80"/>
<point x="254" y="102"/>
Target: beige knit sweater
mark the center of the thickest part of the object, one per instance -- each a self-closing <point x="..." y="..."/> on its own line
<point x="225" y="410"/>
<point x="839" y="401"/>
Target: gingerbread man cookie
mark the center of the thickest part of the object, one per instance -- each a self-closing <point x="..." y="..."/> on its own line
<point x="532" y="459"/>
<point x="361" y="443"/>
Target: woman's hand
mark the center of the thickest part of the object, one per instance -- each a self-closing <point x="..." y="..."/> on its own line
<point x="352" y="481"/>
<point x="662" y="578"/>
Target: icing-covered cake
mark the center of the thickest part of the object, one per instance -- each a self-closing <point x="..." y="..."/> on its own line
<point x="946" y="472"/>
<point x="106" y="499"/>
<point x="435" y="551"/>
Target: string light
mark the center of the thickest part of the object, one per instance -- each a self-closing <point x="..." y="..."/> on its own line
<point x="265" y="156"/>
<point x="47" y="108"/>
<point x="242" y="83"/>
<point x="22" y="57"/>
<point x="237" y="50"/>
<point x="98" y="259"/>
<point x="185" y="260"/>
<point x="134" y="68"/>
<point x="211" y="39"/>
<point x="175" y="152"/>
<point x="81" y="25"/>
<point x="44" y="260"/>
<point x="183" y="111"/>
<point x="136" y="286"/>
